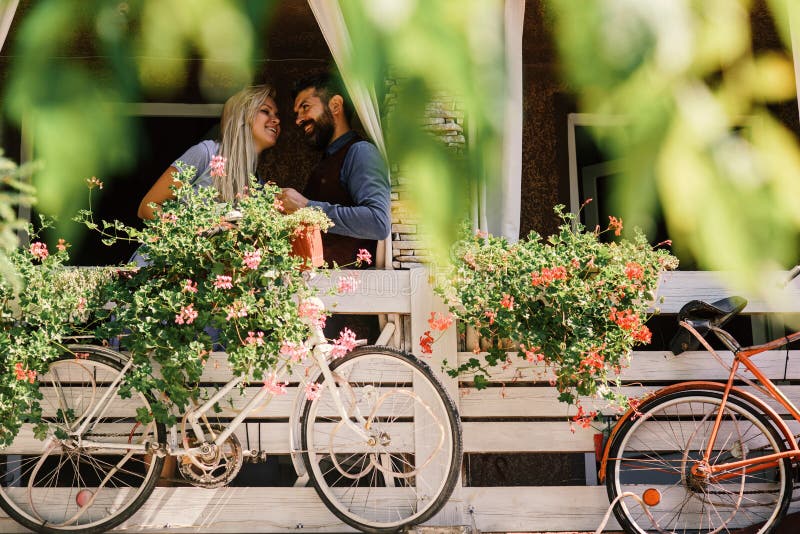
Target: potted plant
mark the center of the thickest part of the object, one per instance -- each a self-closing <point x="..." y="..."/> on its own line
<point x="570" y="307"/>
<point x="40" y="307"/>
<point x="218" y="276"/>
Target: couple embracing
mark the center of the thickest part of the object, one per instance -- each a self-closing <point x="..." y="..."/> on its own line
<point x="350" y="184"/>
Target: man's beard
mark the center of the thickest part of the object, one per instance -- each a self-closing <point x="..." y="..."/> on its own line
<point x="322" y="131"/>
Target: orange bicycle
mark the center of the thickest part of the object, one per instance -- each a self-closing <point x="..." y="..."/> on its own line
<point x="705" y="457"/>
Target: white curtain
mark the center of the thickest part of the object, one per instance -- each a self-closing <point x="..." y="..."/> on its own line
<point x="499" y="206"/>
<point x="331" y="21"/>
<point x="495" y="209"/>
<point x="7" y="10"/>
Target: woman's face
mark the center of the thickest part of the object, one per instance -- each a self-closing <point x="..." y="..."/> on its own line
<point x="266" y="125"/>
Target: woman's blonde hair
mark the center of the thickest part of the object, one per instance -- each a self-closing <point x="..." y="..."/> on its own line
<point x="237" y="144"/>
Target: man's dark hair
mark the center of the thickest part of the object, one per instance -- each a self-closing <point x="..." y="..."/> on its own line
<point x="325" y="86"/>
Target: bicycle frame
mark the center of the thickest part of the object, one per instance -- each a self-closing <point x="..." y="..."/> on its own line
<point x="742" y="356"/>
<point x="319" y="353"/>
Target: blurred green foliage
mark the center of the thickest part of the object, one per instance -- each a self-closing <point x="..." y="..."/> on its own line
<point x="428" y="48"/>
<point x="76" y="61"/>
<point x="694" y="96"/>
<point x="15" y="193"/>
<point x="692" y="92"/>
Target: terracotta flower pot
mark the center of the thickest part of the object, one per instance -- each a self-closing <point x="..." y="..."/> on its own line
<point x="307" y="244"/>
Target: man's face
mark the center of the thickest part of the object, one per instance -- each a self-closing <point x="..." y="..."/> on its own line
<point x="314" y="117"/>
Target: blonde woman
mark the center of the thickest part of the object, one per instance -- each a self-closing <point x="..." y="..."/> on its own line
<point x="250" y="124"/>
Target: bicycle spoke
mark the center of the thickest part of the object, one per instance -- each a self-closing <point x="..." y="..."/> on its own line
<point x="383" y="482"/>
<point x="56" y="483"/>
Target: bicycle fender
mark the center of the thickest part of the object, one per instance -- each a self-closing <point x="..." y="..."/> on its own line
<point x="736" y="392"/>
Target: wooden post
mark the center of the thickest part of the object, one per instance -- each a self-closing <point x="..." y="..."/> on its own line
<point x="423" y="302"/>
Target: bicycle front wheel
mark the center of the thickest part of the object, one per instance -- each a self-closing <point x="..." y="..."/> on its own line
<point x="59" y="484"/>
<point x="404" y="465"/>
<point x="655" y="456"/>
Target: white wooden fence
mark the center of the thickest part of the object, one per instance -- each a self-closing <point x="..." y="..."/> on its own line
<point x="489" y="427"/>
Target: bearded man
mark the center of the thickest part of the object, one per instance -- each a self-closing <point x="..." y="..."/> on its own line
<point x="351" y="183"/>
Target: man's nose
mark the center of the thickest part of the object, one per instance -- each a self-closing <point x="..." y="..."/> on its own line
<point x="298" y="120"/>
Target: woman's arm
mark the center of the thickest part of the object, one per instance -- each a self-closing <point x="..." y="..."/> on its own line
<point x="159" y="193"/>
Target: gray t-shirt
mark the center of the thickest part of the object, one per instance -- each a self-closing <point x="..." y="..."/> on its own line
<point x="199" y="156"/>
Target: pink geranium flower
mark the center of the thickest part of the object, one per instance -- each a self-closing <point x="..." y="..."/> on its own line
<point x="363" y="255"/>
<point x="223" y="282"/>
<point x="217" y="166"/>
<point x="187" y="315"/>
<point x="273" y="386"/>
<point x="345" y="343"/>
<point x="310" y="310"/>
<point x="313" y="391"/>
<point x="189" y="286"/>
<point x="252" y="259"/>
<point x="237" y="309"/>
<point x="347" y="284"/>
<point x="296" y="352"/>
<point x="254" y="338"/>
<point x="39" y="250"/>
<point x="440" y="322"/>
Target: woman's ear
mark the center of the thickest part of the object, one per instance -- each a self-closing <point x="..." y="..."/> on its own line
<point x="336" y="104"/>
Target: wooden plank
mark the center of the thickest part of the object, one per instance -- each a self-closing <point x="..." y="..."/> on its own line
<point x="218" y="370"/>
<point x="676" y="288"/>
<point x="289" y="510"/>
<point x="378" y="292"/>
<point x="231" y="405"/>
<point x="548" y="436"/>
<point x="543" y="402"/>
<point x="522" y="509"/>
<point x="274" y="438"/>
<point x="654" y="366"/>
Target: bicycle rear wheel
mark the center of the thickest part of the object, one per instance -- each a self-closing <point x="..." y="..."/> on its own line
<point x="407" y="467"/>
<point x="654" y="453"/>
<point x="58" y="485"/>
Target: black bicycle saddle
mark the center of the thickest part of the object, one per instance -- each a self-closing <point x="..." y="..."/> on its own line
<point x="702" y="316"/>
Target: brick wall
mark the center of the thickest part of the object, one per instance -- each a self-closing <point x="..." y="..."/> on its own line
<point x="444" y="118"/>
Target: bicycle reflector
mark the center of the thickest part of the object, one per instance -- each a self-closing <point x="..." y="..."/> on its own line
<point x="651" y="497"/>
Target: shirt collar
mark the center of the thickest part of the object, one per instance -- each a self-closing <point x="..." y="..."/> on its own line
<point x="339" y="142"/>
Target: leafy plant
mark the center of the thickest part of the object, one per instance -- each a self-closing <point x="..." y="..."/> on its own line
<point x="218" y="277"/>
<point x="51" y="303"/>
<point x="572" y="304"/>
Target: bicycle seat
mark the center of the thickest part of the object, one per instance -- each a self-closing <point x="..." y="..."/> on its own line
<point x="702" y="316"/>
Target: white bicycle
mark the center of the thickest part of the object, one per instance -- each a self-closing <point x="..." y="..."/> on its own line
<point x="381" y="443"/>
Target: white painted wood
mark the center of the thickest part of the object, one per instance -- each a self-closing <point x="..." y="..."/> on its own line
<point x="653" y="366"/>
<point x="283" y="510"/>
<point x="676" y="288"/>
<point x="378" y="292"/>
<point x="275" y="438"/>
<point x="423" y="304"/>
<point x="547" y="436"/>
<point x="542" y="402"/>
<point x="230" y="406"/>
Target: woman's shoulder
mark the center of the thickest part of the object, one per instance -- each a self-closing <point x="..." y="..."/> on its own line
<point x="208" y="148"/>
<point x="200" y="154"/>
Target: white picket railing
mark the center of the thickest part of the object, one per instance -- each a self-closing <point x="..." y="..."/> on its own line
<point x="490" y="425"/>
